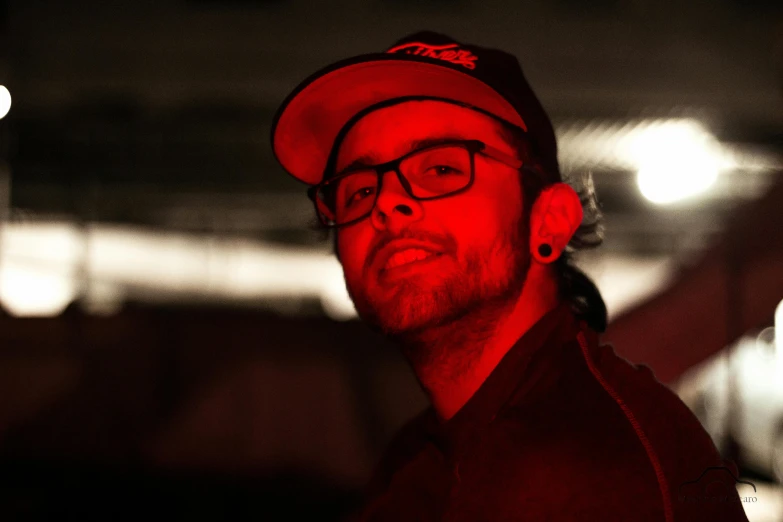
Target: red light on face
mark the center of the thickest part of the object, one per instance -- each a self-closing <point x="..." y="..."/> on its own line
<point x="408" y="268"/>
<point x="475" y="237"/>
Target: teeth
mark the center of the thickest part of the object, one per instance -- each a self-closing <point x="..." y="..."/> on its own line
<point x="407" y="256"/>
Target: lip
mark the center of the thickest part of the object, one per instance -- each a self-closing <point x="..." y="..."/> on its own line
<point x="398" y="246"/>
<point x="413" y="265"/>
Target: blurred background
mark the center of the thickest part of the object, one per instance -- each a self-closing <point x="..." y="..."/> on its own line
<point x="174" y="337"/>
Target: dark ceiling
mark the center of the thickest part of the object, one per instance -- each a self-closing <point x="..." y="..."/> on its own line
<point x="158" y="113"/>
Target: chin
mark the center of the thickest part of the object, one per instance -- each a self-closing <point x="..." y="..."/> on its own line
<point x="412" y="310"/>
<point x="423" y="301"/>
<point x="406" y="319"/>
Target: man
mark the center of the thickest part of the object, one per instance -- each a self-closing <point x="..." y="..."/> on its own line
<point x="437" y="167"/>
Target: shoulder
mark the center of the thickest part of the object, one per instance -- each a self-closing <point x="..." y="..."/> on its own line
<point x="659" y="418"/>
<point x="676" y="445"/>
<point x="608" y="434"/>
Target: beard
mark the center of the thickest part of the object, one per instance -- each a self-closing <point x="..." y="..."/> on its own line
<point x="421" y="308"/>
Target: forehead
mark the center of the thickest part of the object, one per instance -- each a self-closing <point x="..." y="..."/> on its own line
<point x="390" y="132"/>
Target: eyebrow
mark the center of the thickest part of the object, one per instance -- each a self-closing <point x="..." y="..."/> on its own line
<point x="370" y="160"/>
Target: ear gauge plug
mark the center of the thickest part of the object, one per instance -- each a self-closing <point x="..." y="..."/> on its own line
<point x="544" y="253"/>
<point x="544" y="250"/>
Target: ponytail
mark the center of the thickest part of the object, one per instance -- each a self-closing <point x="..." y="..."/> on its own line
<point x="584" y="296"/>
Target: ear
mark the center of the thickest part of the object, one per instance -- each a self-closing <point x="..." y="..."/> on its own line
<point x="555" y="217"/>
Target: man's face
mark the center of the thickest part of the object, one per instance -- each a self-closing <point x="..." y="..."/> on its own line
<point x="480" y="233"/>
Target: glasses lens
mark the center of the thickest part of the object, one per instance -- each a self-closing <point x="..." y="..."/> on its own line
<point x="431" y="173"/>
<point x="437" y="171"/>
<point x="348" y="197"/>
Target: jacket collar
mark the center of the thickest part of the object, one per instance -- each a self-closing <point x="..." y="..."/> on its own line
<point x="510" y="378"/>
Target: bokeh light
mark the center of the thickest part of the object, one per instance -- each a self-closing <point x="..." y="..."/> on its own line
<point x="5" y="101"/>
<point x="675" y="161"/>
<point x="779" y="329"/>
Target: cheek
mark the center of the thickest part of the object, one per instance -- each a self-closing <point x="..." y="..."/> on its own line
<point x="352" y="250"/>
<point x="480" y="220"/>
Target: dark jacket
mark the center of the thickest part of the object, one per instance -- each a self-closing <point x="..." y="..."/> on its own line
<point x="563" y="429"/>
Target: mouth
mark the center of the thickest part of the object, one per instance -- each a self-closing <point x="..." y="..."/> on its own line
<point x="409" y="259"/>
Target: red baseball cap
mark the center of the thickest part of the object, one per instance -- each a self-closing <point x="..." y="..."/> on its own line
<point x="306" y="127"/>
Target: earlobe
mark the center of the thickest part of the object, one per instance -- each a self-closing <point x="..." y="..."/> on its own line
<point x="545" y="252"/>
<point x="556" y="216"/>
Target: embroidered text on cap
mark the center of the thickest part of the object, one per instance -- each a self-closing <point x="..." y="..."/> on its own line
<point x="449" y="52"/>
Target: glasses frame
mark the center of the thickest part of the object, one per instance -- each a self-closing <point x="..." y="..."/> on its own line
<point x="472" y="146"/>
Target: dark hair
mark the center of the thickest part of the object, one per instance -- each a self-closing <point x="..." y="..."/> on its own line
<point x="573" y="284"/>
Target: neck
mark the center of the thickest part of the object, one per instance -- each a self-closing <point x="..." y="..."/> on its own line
<point x="462" y="354"/>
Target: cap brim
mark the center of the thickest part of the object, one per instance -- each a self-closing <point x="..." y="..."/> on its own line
<point x="307" y="123"/>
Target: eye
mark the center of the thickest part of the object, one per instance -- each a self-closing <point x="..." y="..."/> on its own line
<point x="358" y="195"/>
<point x="443" y="170"/>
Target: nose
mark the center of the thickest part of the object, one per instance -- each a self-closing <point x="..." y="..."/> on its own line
<point x="394" y="207"/>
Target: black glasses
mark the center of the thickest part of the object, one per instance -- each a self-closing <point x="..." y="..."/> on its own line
<point x="428" y="173"/>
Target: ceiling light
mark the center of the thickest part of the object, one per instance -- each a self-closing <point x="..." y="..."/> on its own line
<point x="675" y="160"/>
<point x="5" y="102"/>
